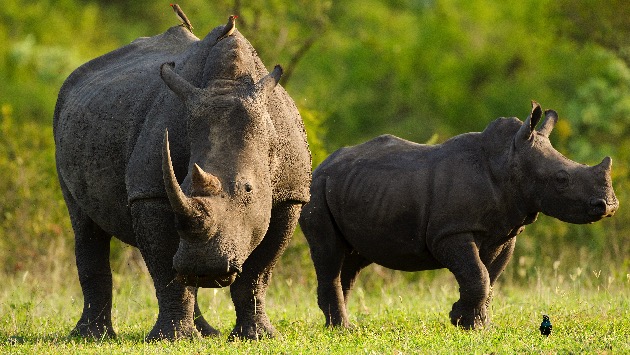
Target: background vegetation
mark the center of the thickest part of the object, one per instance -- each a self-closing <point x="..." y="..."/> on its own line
<point x="424" y="70"/>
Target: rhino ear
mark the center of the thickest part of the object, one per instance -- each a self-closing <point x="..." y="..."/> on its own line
<point x="551" y="117"/>
<point x="266" y="85"/>
<point x="203" y="183"/>
<point x="175" y="82"/>
<point x="526" y="131"/>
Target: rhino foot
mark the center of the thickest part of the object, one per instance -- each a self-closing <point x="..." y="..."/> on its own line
<point x="253" y="331"/>
<point x="468" y="318"/>
<point x="93" y="330"/>
<point x="171" y="331"/>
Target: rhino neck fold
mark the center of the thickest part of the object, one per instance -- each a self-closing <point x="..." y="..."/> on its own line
<point x="513" y="192"/>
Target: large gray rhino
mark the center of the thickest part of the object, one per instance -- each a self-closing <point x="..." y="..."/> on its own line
<point x="457" y="205"/>
<point x="213" y="202"/>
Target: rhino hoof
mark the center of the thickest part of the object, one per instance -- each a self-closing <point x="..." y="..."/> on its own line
<point x="93" y="330"/>
<point x="206" y="329"/>
<point x="252" y="332"/>
<point x="172" y="333"/>
<point x="469" y="319"/>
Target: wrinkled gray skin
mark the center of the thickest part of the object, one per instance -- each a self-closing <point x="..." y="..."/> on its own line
<point x="457" y="205"/>
<point x="213" y="202"/>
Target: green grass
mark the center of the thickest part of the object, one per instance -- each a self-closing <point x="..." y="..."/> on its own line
<point x="590" y="313"/>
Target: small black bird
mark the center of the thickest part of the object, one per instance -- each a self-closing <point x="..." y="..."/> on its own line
<point x="182" y="17"/>
<point x="545" y="326"/>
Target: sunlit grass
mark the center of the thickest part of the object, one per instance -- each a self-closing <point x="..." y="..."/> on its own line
<point x="394" y="315"/>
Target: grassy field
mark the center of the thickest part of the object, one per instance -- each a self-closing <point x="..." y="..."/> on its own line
<point x="590" y="311"/>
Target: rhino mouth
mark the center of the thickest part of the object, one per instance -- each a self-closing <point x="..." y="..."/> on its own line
<point x="207" y="281"/>
<point x="600" y="208"/>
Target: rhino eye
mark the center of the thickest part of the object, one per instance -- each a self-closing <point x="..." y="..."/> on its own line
<point x="563" y="179"/>
<point x="248" y="187"/>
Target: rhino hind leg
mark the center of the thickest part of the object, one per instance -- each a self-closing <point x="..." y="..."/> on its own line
<point x="330" y="296"/>
<point x="249" y="290"/>
<point x="201" y="324"/>
<point x="95" y="275"/>
<point x="158" y="240"/>
<point x="95" y="278"/>
<point x="328" y="251"/>
<point x="352" y="265"/>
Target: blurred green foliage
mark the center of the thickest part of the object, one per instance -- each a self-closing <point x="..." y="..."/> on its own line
<point x="420" y="69"/>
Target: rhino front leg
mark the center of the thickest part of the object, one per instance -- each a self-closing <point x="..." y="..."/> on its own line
<point x="249" y="290"/>
<point x="496" y="259"/>
<point x="460" y="255"/>
<point x="158" y="241"/>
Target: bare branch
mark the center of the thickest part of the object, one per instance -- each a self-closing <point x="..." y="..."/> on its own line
<point x="297" y="56"/>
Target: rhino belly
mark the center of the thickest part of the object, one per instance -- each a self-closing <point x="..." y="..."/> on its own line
<point x="382" y="222"/>
<point x="105" y="203"/>
<point x="92" y="168"/>
<point x="396" y="248"/>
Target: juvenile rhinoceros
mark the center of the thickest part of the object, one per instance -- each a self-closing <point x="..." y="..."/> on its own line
<point x="457" y="205"/>
<point x="200" y="162"/>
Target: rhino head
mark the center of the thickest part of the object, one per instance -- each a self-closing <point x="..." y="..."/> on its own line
<point x="223" y="206"/>
<point x="560" y="187"/>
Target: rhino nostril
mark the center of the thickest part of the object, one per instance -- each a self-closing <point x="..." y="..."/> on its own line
<point x="598" y="206"/>
<point x="598" y="202"/>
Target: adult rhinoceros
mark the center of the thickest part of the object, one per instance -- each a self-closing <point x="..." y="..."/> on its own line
<point x="457" y="205"/>
<point x="235" y="143"/>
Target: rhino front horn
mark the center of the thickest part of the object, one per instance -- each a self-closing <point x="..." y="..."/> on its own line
<point x="179" y="202"/>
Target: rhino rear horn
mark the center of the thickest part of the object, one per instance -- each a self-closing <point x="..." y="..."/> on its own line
<point x="526" y="131"/>
<point x="179" y="202"/>
<point x="203" y="183"/>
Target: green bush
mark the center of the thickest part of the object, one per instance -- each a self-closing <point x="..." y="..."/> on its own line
<point x="422" y="70"/>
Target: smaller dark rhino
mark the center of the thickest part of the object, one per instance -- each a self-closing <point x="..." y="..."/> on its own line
<point x="457" y="205"/>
